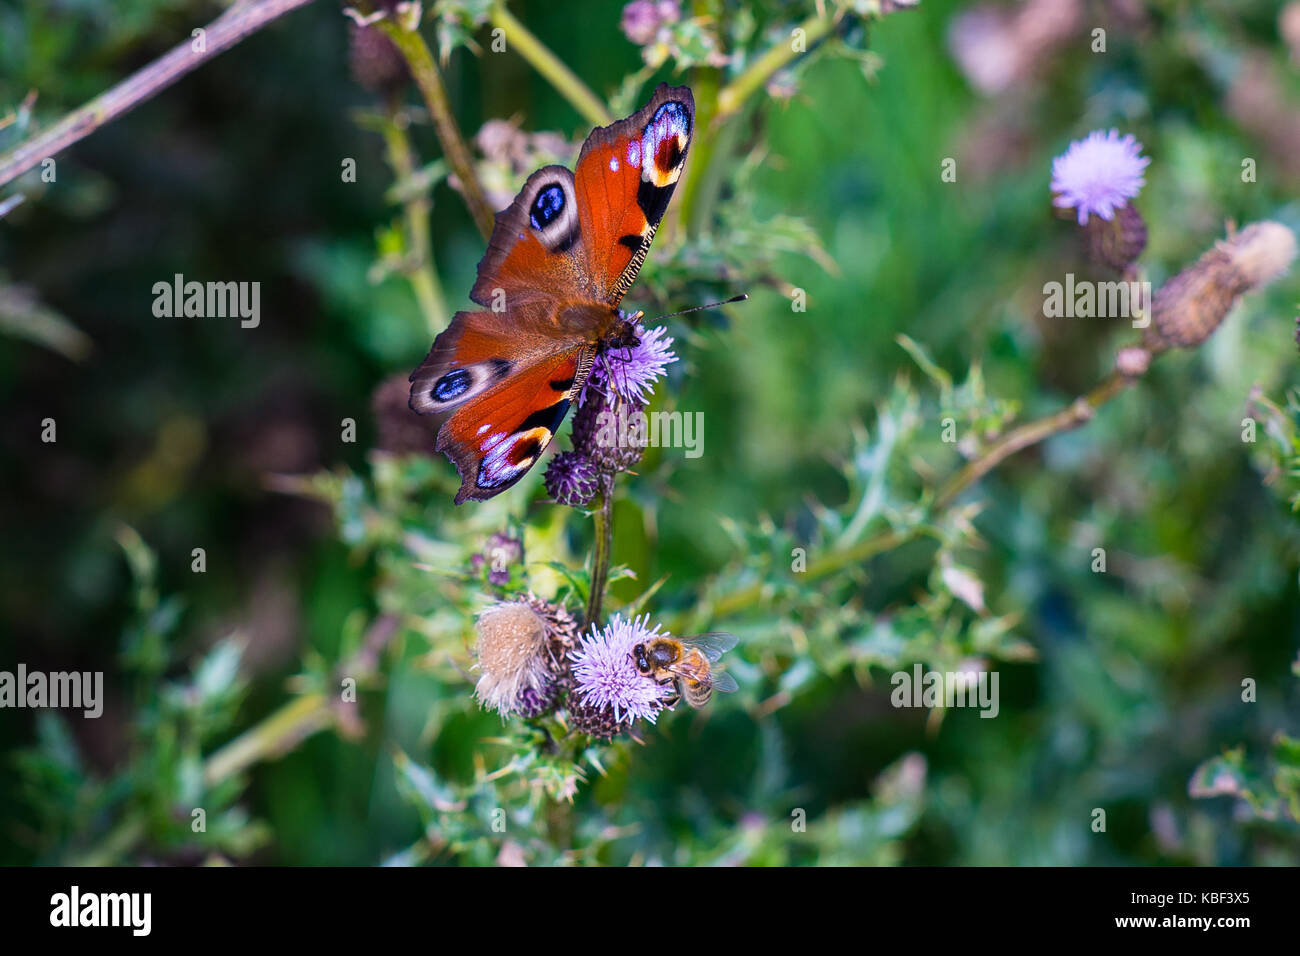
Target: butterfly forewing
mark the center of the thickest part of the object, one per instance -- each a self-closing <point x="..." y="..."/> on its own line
<point x="536" y="249"/>
<point x="625" y="178"/>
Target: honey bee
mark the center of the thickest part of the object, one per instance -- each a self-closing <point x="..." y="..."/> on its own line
<point x="688" y="663"/>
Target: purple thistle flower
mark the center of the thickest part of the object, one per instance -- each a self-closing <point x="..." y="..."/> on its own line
<point x="631" y="373"/>
<point x="571" y="479"/>
<point x="1098" y="175"/>
<point x="643" y="19"/>
<point x="606" y="677"/>
<point x="640" y="21"/>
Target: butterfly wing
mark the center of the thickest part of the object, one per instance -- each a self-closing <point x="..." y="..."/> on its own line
<point x="625" y="177"/>
<point x="535" y="251"/>
<point x="501" y="392"/>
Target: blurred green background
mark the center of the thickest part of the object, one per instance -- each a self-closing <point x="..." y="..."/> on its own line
<point x="1119" y="685"/>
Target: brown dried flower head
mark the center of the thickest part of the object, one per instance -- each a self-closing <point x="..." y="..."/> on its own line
<point x="1191" y="305"/>
<point x="522" y="656"/>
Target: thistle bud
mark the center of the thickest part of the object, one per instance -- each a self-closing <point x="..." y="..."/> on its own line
<point x="376" y="64"/>
<point x="1117" y="242"/>
<point x="401" y="431"/>
<point x="1191" y="305"/>
<point x="609" y="431"/>
<point x="501" y="553"/>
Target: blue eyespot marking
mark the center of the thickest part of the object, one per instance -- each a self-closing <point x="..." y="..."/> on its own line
<point x="663" y="137"/>
<point x="548" y="204"/>
<point x="674" y="115"/>
<point x="613" y="164"/>
<point x="451" y="385"/>
<point x="634" y="153"/>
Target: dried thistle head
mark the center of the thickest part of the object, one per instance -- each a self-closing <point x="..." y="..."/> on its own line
<point x="1191" y="305"/>
<point x="401" y="431"/>
<point x="376" y="64"/>
<point x="522" y="656"/>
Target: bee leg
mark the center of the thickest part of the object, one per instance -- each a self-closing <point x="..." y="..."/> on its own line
<point x="676" y="698"/>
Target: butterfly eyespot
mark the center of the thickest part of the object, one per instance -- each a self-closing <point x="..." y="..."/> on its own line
<point x="451" y="385"/>
<point x="662" y="142"/>
<point x="547" y="206"/>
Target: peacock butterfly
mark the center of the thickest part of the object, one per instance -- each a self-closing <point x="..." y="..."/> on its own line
<point x="559" y="262"/>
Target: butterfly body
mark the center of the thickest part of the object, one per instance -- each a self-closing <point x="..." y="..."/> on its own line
<point x="559" y="262"/>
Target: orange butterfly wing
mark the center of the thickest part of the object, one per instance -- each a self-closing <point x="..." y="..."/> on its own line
<point x="625" y="178"/>
<point x="535" y="249"/>
<point x="500" y="401"/>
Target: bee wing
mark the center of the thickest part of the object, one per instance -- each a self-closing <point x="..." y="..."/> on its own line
<point x="724" y="682"/>
<point x="712" y="645"/>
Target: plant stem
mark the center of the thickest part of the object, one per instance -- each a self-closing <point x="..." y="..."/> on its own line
<point x="565" y="81"/>
<point x="425" y="73"/>
<point x="419" y="268"/>
<point x="275" y="735"/>
<point x="1077" y="413"/>
<point x="733" y="96"/>
<point x="224" y="32"/>
<point x="603" y="523"/>
<point x="715" y="107"/>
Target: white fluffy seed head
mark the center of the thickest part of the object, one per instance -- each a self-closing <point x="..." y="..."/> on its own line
<point x="511" y="652"/>
<point x="1261" y="252"/>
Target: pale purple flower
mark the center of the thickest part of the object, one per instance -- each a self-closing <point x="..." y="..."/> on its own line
<point x="605" y="674"/>
<point x="631" y="373"/>
<point x="1098" y="175"/>
<point x="640" y="21"/>
<point x="571" y="479"/>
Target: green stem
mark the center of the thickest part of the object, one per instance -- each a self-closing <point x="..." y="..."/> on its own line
<point x="733" y="96"/>
<point x="551" y="67"/>
<point x="275" y="735"/>
<point x="716" y="107"/>
<point x="1077" y="413"/>
<point x="220" y="35"/>
<point x="425" y="73"/>
<point x="419" y="267"/>
<point x="603" y="523"/>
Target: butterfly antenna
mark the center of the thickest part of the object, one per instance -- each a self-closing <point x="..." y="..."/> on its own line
<point x="696" y="308"/>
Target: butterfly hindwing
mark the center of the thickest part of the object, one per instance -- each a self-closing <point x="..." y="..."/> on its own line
<point x="500" y="402"/>
<point x="496" y="437"/>
<point x="625" y="178"/>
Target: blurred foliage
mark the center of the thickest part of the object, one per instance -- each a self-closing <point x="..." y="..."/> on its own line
<point x="885" y="302"/>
